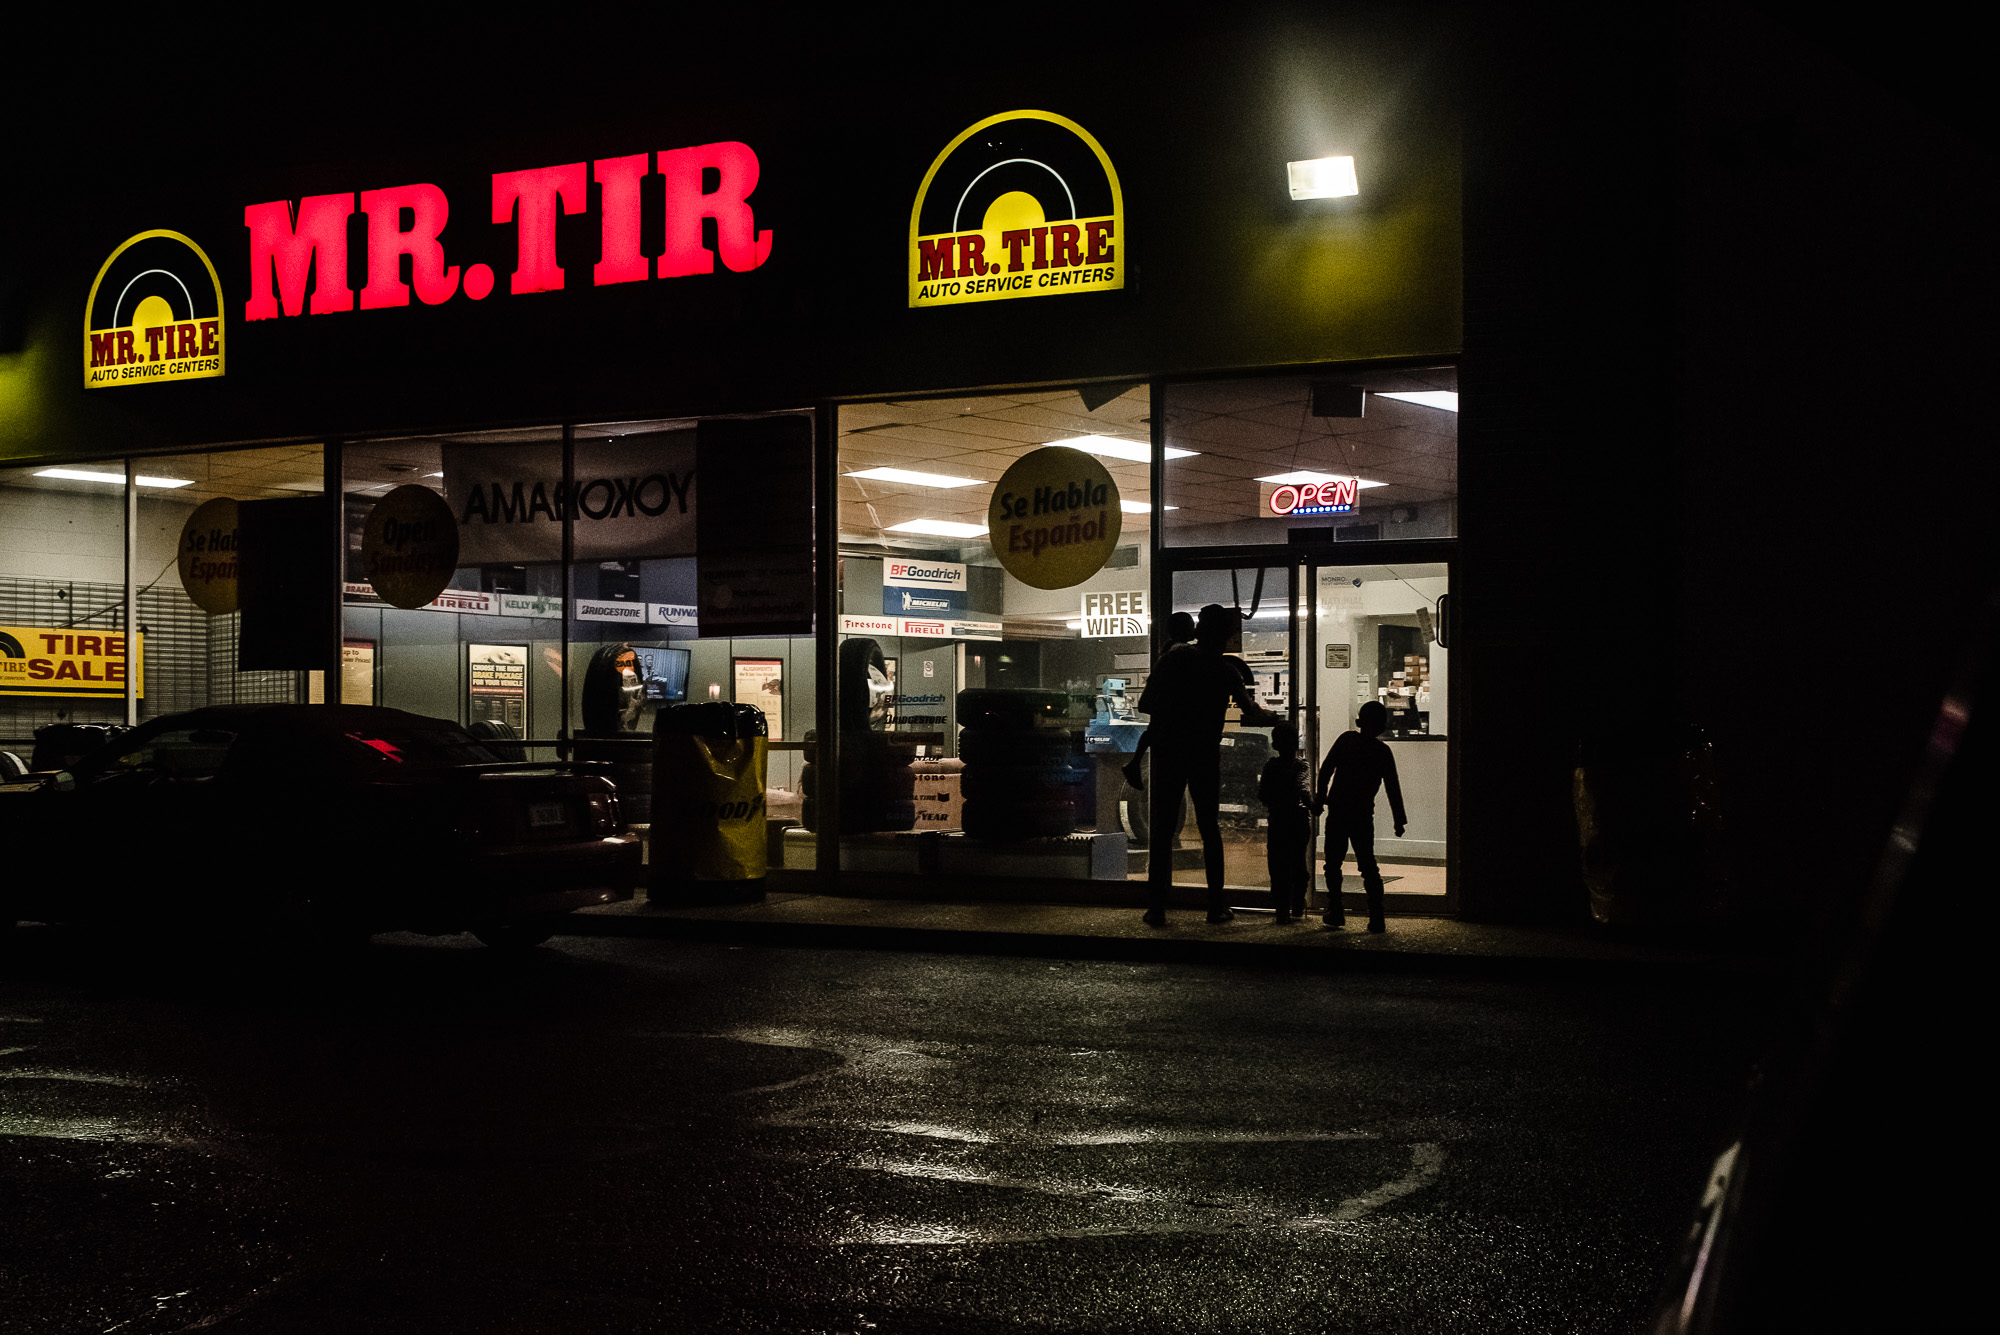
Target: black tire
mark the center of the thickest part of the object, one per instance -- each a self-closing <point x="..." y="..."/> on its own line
<point x="1015" y="783"/>
<point x="1010" y="711"/>
<point x="523" y="935"/>
<point x="1139" y="810"/>
<point x="981" y="745"/>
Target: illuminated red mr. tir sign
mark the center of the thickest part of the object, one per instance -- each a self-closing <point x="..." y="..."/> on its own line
<point x="1315" y="498"/>
<point x="296" y="245"/>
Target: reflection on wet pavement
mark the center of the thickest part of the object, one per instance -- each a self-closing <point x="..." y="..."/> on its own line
<point x="614" y="1135"/>
<point x="865" y="1058"/>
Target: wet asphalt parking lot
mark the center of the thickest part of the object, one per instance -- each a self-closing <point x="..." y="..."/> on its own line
<point x="624" y="1135"/>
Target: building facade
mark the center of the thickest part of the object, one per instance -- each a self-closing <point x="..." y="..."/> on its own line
<point x="740" y="382"/>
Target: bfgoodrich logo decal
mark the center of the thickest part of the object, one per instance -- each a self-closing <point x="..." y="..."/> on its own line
<point x="155" y="313"/>
<point x="1023" y="204"/>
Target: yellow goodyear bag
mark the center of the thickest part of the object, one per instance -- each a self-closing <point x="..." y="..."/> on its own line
<point x="709" y="766"/>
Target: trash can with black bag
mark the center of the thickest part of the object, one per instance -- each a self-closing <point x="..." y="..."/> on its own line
<point x="710" y="761"/>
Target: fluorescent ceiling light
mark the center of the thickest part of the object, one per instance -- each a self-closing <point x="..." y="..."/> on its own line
<point x="1322" y="178"/>
<point x="1073" y="625"/>
<point x="1140" y="507"/>
<point x="1446" y="399"/>
<point x="904" y="475"/>
<point x="433" y="474"/>
<point x="1120" y="449"/>
<point x="88" y="475"/>
<point x="943" y="528"/>
<point x="1307" y="475"/>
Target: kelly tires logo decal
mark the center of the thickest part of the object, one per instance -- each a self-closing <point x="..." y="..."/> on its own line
<point x="1023" y="204"/>
<point x="155" y="313"/>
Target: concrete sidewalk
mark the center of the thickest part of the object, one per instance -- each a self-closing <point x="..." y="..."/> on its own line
<point x="1416" y="945"/>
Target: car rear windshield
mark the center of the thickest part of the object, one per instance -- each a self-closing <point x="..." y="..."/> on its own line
<point x="395" y="748"/>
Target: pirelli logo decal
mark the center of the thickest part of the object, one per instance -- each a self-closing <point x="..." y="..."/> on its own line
<point x="1023" y="204"/>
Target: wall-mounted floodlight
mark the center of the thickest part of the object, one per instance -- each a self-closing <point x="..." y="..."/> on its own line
<point x="1322" y="178"/>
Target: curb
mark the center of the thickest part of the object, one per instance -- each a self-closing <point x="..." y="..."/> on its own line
<point x="1160" y="950"/>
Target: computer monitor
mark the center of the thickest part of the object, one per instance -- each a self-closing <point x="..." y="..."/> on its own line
<point x="664" y="672"/>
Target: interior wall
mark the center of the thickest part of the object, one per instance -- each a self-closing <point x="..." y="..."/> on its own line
<point x="79" y="535"/>
<point x="421" y="657"/>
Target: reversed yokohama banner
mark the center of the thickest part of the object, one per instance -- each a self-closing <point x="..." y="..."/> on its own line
<point x="635" y="497"/>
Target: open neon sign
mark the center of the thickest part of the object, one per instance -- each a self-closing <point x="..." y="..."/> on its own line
<point x="1335" y="497"/>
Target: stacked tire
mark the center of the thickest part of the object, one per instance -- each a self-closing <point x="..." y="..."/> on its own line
<point x="878" y="789"/>
<point x="631" y="768"/>
<point x="1017" y="777"/>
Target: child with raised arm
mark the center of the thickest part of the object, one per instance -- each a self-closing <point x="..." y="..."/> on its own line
<point x="1357" y="764"/>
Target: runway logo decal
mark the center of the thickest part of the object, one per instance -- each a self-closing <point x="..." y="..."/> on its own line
<point x="154" y="314"/>
<point x="1023" y="204"/>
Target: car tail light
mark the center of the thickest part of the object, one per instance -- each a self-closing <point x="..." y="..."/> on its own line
<point x="603" y="808"/>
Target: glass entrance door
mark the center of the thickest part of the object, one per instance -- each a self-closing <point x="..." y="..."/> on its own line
<point x="1373" y="633"/>
<point x="1264" y="600"/>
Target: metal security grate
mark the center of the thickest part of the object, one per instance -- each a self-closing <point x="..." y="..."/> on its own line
<point x="190" y="655"/>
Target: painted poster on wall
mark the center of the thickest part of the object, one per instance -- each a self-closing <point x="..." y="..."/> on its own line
<point x="497" y="685"/>
<point x="357" y="672"/>
<point x="761" y="682"/>
<point x="635" y="497"/>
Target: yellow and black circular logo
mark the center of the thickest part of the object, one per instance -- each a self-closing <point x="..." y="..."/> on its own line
<point x="155" y="313"/>
<point x="1054" y="517"/>
<point x="1023" y="204"/>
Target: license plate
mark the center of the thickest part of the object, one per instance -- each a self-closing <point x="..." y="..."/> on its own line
<point x="547" y="813"/>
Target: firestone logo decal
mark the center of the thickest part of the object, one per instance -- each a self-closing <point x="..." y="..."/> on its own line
<point x="1023" y="204"/>
<point x="154" y="313"/>
<point x="300" y="247"/>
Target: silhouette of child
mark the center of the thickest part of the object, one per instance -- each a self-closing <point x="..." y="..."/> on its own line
<point x="1285" y="789"/>
<point x="1357" y="764"/>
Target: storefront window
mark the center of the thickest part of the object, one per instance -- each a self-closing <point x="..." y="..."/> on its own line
<point x="984" y="722"/>
<point x="638" y="642"/>
<point x="486" y="651"/>
<point x="1344" y="457"/>
<point x="62" y="575"/>
<point x="1262" y="599"/>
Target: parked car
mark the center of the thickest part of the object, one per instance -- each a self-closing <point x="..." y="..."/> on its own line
<point x="1848" y="1197"/>
<point x="340" y="817"/>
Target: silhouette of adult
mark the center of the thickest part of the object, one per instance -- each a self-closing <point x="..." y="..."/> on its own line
<point x="1186" y="696"/>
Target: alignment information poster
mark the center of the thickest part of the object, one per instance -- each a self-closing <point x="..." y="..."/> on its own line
<point x="761" y="682"/>
<point x="357" y="672"/>
<point x="497" y="685"/>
